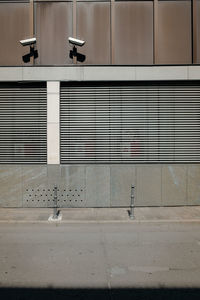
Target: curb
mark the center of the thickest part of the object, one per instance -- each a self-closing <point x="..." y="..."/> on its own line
<point x="97" y="221"/>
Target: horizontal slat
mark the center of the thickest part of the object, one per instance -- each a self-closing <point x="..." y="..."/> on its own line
<point x="23" y="118"/>
<point x="132" y="123"/>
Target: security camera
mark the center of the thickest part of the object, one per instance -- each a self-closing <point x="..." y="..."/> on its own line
<point x="76" y="42"/>
<point x="28" y="42"/>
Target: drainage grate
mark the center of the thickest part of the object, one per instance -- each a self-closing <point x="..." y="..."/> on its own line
<point x="43" y="197"/>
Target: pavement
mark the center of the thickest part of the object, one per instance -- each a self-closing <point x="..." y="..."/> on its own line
<point x="99" y="253"/>
<point x="92" y="215"/>
<point x="100" y="261"/>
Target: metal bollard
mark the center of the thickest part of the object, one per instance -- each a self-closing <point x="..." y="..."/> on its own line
<point x="55" y="200"/>
<point x="131" y="215"/>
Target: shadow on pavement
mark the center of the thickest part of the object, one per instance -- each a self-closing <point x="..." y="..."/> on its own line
<point x="95" y="294"/>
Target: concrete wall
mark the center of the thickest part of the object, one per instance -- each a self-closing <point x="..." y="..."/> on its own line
<point x="99" y="185"/>
<point x="93" y="73"/>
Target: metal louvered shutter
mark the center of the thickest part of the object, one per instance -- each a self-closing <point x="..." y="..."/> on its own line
<point x="23" y="119"/>
<point x="130" y="122"/>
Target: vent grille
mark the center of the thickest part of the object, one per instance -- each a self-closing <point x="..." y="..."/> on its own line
<point x="44" y="197"/>
<point x="128" y="123"/>
<point x="23" y="124"/>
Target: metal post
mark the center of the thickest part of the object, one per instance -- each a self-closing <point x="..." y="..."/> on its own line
<point x="55" y="200"/>
<point x="131" y="215"/>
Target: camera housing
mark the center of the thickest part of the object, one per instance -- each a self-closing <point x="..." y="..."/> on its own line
<point x="28" y="42"/>
<point x="76" y="42"/>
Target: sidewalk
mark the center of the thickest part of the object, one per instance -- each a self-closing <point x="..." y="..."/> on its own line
<point x="85" y="215"/>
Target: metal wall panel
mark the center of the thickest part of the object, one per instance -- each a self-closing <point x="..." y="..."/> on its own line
<point x="133" y="32"/>
<point x="130" y="123"/>
<point x="54" y="26"/>
<point x="198" y="31"/>
<point x="23" y="118"/>
<point x="14" y="26"/>
<point x="174" y="32"/>
<point x="93" y="26"/>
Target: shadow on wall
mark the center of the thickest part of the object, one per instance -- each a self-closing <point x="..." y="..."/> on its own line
<point x="73" y="53"/>
<point x="91" y="294"/>
<point x="33" y="53"/>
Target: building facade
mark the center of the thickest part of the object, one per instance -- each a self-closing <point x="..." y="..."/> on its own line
<point x="122" y="110"/>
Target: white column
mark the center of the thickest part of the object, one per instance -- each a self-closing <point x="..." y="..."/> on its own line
<point x="53" y="122"/>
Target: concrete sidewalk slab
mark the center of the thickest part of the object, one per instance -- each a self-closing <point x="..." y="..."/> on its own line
<point x="141" y="214"/>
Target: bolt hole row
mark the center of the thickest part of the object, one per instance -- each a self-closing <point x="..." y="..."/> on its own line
<point x="53" y="190"/>
<point x="58" y="200"/>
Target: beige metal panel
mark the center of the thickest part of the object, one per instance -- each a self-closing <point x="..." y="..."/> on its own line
<point x="174" y="32"/>
<point x="133" y="33"/>
<point x="14" y="26"/>
<point x="93" y="26"/>
<point x="54" y="26"/>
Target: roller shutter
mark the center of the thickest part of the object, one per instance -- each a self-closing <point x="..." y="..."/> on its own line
<point x="130" y="122"/>
<point x="23" y="118"/>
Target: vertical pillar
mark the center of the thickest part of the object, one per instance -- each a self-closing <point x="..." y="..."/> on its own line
<point x="155" y="34"/>
<point x="195" y="31"/>
<point x="74" y="26"/>
<point x="112" y="31"/>
<point x="53" y="122"/>
<point x="31" y="9"/>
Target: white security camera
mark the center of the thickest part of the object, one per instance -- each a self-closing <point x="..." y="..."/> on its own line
<point x="76" y="42"/>
<point x="28" y="42"/>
